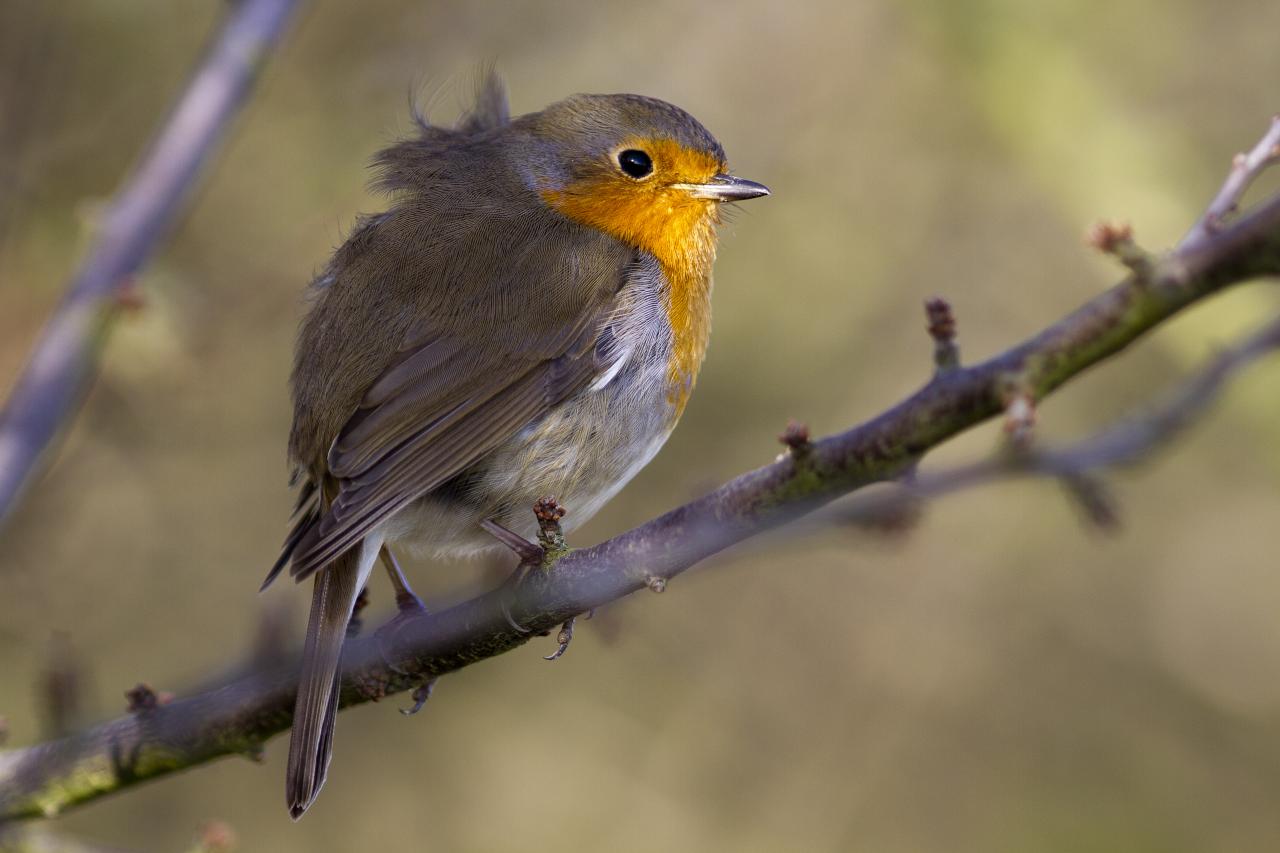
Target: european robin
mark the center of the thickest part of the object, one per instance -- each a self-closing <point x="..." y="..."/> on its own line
<point x="527" y="319"/>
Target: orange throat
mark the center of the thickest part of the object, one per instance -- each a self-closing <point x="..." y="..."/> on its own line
<point x="682" y="237"/>
<point x="688" y="306"/>
<point x="680" y="232"/>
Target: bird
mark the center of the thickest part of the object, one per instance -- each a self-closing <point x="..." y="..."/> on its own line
<point x="526" y="318"/>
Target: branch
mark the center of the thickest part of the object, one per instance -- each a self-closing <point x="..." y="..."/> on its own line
<point x="63" y="363"/>
<point x="242" y="712"/>
<point x="1120" y="444"/>
<point x="214" y="836"/>
<point x="1245" y="169"/>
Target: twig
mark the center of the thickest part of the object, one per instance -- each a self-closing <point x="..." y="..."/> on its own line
<point x="942" y="328"/>
<point x="61" y="687"/>
<point x="796" y="439"/>
<point x="1118" y="445"/>
<point x="39" y="839"/>
<point x="1116" y="238"/>
<point x="63" y="363"/>
<point x="1245" y="169"/>
<point x="237" y="716"/>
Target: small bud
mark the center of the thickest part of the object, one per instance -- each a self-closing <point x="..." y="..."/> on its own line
<point x="548" y="511"/>
<point x="942" y="328"/>
<point x="796" y="437"/>
<point x="217" y="836"/>
<point x="143" y="698"/>
<point x="942" y="322"/>
<point x="1020" y="419"/>
<point x="1109" y="236"/>
<point x="1116" y="239"/>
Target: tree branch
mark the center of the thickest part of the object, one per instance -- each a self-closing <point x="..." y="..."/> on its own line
<point x="63" y="362"/>
<point x="1122" y="443"/>
<point x="1245" y="168"/>
<point x="239" y="714"/>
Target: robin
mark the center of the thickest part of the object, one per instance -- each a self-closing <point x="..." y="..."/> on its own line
<point x="528" y="318"/>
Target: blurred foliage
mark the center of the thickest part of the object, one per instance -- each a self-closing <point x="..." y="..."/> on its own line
<point x="998" y="678"/>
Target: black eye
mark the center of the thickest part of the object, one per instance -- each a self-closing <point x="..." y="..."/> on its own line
<point x="635" y="163"/>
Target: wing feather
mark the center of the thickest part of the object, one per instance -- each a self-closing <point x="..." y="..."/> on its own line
<point x="422" y="464"/>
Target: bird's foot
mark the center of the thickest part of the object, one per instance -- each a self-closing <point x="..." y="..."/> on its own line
<point x="420" y="696"/>
<point x="408" y="609"/>
<point x="542" y="554"/>
<point x="531" y="555"/>
<point x="510" y="589"/>
<point x="409" y="605"/>
<point x="406" y="600"/>
<point x="563" y="638"/>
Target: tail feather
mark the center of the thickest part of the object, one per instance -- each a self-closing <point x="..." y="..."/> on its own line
<point x="311" y="743"/>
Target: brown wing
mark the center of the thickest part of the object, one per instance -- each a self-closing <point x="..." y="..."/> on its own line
<point x="510" y="339"/>
<point x="394" y="451"/>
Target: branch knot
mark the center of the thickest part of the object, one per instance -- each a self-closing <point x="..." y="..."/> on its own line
<point x="143" y="698"/>
<point x="796" y="437"/>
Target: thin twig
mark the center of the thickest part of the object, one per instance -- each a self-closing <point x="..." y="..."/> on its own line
<point x="1120" y="444"/>
<point x="40" y="839"/>
<point x="63" y="363"/>
<point x="942" y="328"/>
<point x="1245" y="169"/>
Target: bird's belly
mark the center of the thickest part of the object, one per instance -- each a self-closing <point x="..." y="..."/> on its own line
<point x="581" y="453"/>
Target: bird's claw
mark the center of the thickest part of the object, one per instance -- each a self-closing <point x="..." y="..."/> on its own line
<point x="409" y="604"/>
<point x="385" y="635"/>
<point x="563" y="638"/>
<point x="543" y="553"/>
<point x="506" y="614"/>
<point x="512" y="586"/>
<point x="420" y="696"/>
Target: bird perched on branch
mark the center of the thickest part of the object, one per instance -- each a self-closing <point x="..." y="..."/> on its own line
<point x="527" y="319"/>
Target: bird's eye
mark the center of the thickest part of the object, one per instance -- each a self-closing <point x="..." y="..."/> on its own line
<point x="635" y="163"/>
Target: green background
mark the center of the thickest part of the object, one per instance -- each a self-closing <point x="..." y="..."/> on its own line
<point x="1000" y="677"/>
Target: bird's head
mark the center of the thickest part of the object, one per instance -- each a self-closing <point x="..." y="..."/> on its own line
<point x="639" y="169"/>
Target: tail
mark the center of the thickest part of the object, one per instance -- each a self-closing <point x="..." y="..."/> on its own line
<point x="311" y="743"/>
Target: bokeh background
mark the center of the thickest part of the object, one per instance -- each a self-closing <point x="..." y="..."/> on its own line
<point x="1000" y="677"/>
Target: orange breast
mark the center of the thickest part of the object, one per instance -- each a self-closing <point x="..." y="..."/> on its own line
<point x="689" y="312"/>
<point x="678" y="230"/>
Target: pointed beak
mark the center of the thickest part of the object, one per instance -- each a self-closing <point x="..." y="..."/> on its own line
<point x="725" y="188"/>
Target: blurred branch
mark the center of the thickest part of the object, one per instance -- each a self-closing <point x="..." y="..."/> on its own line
<point x="62" y="365"/>
<point x="41" y="840"/>
<point x="214" y="836"/>
<point x="1245" y="168"/>
<point x="1123" y="443"/>
<point x="239" y="714"/>
<point x="61" y="687"/>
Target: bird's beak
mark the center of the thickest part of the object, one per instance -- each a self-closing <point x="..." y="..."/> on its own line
<point x="725" y="188"/>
